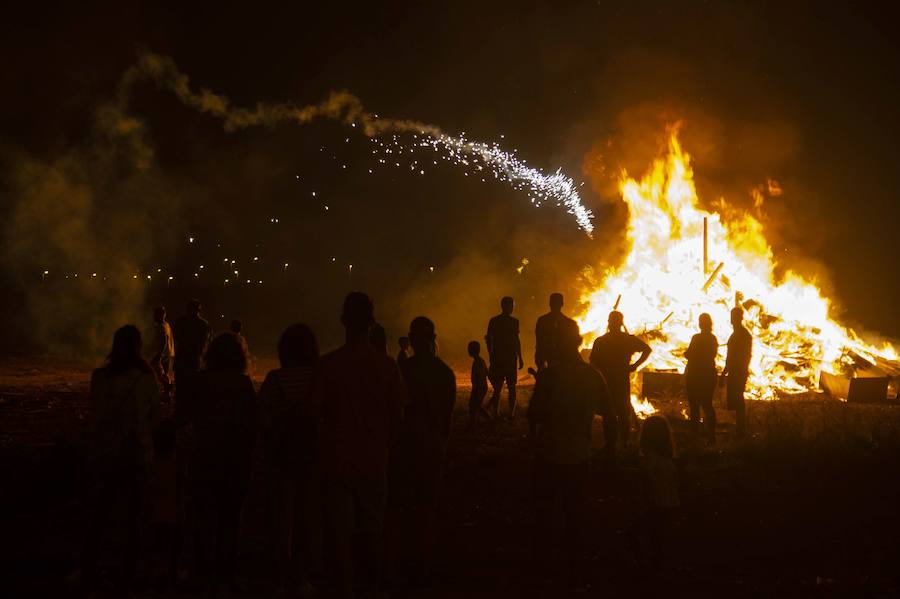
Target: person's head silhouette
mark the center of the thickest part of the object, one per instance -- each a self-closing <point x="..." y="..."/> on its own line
<point x="474" y="348"/>
<point x="358" y="315"/>
<point x="159" y="314"/>
<point x="616" y="321"/>
<point x="556" y="302"/>
<point x="237" y="327"/>
<point x="737" y="316"/>
<point x="421" y="336"/>
<point x="506" y="305"/>
<point x="403" y="342"/>
<point x="297" y="347"/>
<point x="226" y="353"/>
<point x="194" y="307"/>
<point x="126" y="349"/>
<point x="705" y="322"/>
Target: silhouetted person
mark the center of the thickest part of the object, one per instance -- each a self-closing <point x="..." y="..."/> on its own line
<point x="124" y="401"/>
<point x="418" y="463"/>
<point x="403" y="354"/>
<point x="737" y="368"/>
<point x="162" y="348"/>
<point x="289" y="418"/>
<point x="479" y="383"/>
<point x="224" y="423"/>
<point x="192" y="334"/>
<point x="549" y="330"/>
<point x="504" y="353"/>
<point x="163" y="506"/>
<point x="378" y="337"/>
<point x="611" y="355"/>
<point x="659" y="493"/>
<point x="361" y="398"/>
<point x="566" y="397"/>
<point x="700" y="377"/>
<point x="236" y="327"/>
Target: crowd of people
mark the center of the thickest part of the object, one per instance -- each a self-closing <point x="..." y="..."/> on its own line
<point x="353" y="442"/>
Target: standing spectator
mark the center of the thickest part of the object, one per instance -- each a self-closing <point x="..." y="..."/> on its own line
<point x="479" y="383"/>
<point x="659" y="493"/>
<point x="419" y="461"/>
<point x="504" y="351"/>
<point x="737" y="368"/>
<point x="549" y="330"/>
<point x="611" y="355"/>
<point x="192" y="334"/>
<point x="163" y="505"/>
<point x="288" y="434"/>
<point x="361" y="398"/>
<point x="224" y="422"/>
<point x="566" y="397"/>
<point x="700" y="376"/>
<point x="124" y="400"/>
<point x="162" y="348"/>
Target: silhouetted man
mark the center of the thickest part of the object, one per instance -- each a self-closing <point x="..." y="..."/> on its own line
<point x="549" y="330"/>
<point x="192" y="334"/>
<point x="611" y="355"/>
<point x="737" y="368"/>
<point x="567" y="394"/>
<point x="431" y="388"/>
<point x="162" y="347"/>
<point x="504" y="351"/>
<point x="361" y="398"/>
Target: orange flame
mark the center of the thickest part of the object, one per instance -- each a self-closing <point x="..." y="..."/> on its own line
<point x="664" y="289"/>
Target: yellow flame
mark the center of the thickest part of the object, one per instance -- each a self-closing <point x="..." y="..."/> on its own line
<point x="664" y="288"/>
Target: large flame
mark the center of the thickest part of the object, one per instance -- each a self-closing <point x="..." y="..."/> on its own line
<point x="663" y="288"/>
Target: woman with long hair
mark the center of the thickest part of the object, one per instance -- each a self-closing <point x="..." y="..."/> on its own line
<point x="700" y="376"/>
<point x="124" y="403"/>
<point x="224" y="422"/>
<point x="288" y="432"/>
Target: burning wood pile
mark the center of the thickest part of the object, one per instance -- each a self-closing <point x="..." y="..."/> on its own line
<point x="667" y="280"/>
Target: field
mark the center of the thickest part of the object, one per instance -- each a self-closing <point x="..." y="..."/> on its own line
<point x="807" y="506"/>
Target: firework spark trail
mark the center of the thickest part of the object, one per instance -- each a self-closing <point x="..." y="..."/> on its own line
<point x="345" y="107"/>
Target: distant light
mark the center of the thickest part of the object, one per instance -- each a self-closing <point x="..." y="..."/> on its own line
<point x="196" y="274"/>
<point x="190" y="240"/>
<point x="201" y="267"/>
<point x="93" y="274"/>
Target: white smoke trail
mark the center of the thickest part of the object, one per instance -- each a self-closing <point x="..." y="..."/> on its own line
<point x="345" y="107"/>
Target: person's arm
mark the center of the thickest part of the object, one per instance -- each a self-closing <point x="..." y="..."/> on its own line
<point x="538" y="358"/>
<point x="645" y="354"/>
<point x="489" y="340"/>
<point x="692" y="347"/>
<point x="519" y="348"/>
<point x="449" y="401"/>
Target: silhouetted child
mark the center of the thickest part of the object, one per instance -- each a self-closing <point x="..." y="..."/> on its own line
<point x="479" y="383"/>
<point x="659" y="492"/>
<point x="403" y="354"/>
<point x="162" y="499"/>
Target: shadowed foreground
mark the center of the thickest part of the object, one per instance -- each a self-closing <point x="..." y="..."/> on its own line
<point x="809" y="505"/>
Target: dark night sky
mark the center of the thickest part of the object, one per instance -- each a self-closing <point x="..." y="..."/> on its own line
<point x="806" y="93"/>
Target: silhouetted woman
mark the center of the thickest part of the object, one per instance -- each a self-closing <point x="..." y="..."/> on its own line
<point x="224" y="420"/>
<point x="289" y="419"/>
<point x="124" y="402"/>
<point x="700" y="376"/>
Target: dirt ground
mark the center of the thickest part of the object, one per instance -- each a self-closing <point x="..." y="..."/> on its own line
<point x="808" y="506"/>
